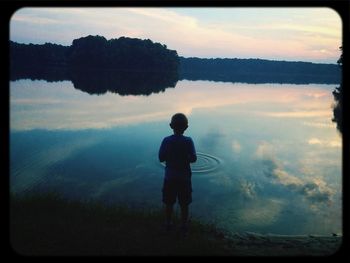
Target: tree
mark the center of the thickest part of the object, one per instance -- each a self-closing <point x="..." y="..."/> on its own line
<point x="338" y="97"/>
<point x="121" y="54"/>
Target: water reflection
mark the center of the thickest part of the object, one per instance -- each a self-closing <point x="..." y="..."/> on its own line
<point x="313" y="189"/>
<point x="100" y="81"/>
<point x="256" y="77"/>
<point x="270" y="156"/>
<point x="123" y="83"/>
<point x="49" y="74"/>
<point x="58" y="105"/>
<point x="205" y="163"/>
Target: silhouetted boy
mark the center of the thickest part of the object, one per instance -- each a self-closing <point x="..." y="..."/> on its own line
<point x="178" y="152"/>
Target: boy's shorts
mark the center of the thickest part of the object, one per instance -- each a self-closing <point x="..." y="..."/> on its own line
<point x="177" y="189"/>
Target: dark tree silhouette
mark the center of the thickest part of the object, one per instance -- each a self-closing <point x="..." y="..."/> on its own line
<point x="122" y="54"/>
<point x="338" y="97"/>
<point x="37" y="56"/>
<point x="56" y="62"/>
<point x="258" y="71"/>
<point x="96" y="52"/>
<point x="126" y="66"/>
<point x="123" y="82"/>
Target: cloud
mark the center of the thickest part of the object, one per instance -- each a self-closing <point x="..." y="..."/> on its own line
<point x="324" y="143"/>
<point x="213" y="138"/>
<point x="265" y="151"/>
<point x="263" y="212"/>
<point x="298" y="114"/>
<point x="329" y="125"/>
<point x="236" y="146"/>
<point x="191" y="32"/>
<point x="247" y="189"/>
<point x="314" y="189"/>
<point x="314" y="141"/>
<point x="31" y="101"/>
<point x="35" y="20"/>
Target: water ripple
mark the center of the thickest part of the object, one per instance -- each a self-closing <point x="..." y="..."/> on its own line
<point x="205" y="163"/>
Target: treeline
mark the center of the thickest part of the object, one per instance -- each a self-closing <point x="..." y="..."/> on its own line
<point x="258" y="71"/>
<point x="97" y="52"/>
<point x="130" y="54"/>
<point x="31" y="55"/>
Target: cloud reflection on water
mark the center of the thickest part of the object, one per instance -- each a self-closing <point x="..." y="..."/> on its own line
<point x="60" y="106"/>
<point x="315" y="189"/>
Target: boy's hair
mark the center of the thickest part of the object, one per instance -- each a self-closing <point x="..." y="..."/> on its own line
<point x="179" y="122"/>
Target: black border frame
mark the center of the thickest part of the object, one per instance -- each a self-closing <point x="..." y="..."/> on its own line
<point x="8" y="8"/>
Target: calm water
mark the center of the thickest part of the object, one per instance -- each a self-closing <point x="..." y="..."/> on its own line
<point x="269" y="154"/>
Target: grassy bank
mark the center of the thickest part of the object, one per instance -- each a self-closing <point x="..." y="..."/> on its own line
<point x="50" y="225"/>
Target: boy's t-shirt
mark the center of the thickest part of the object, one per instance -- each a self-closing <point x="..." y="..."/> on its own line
<point x="178" y="152"/>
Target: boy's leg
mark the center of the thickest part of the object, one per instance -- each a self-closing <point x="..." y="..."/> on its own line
<point x="169" y="199"/>
<point x="185" y="198"/>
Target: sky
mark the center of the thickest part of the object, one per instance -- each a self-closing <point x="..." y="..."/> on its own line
<point x="291" y="34"/>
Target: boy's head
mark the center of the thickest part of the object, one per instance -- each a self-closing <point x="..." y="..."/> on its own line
<point x="179" y="123"/>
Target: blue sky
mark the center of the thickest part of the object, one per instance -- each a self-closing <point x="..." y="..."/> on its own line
<point x="292" y="34"/>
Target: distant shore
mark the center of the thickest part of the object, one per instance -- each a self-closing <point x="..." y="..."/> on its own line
<point x="49" y="225"/>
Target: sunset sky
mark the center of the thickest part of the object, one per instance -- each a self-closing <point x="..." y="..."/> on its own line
<point x="292" y="34"/>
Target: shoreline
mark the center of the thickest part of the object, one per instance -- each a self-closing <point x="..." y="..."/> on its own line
<point x="255" y="244"/>
<point x="49" y="225"/>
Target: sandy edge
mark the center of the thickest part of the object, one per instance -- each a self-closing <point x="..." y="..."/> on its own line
<point x="255" y="244"/>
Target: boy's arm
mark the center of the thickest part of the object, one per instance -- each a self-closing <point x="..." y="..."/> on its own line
<point x="162" y="152"/>
<point x="192" y="154"/>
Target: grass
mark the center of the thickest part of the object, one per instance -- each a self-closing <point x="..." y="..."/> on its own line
<point x="47" y="224"/>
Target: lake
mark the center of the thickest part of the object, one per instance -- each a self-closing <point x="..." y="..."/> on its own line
<point x="269" y="155"/>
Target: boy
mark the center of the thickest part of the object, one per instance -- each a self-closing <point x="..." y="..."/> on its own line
<point x="177" y="151"/>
